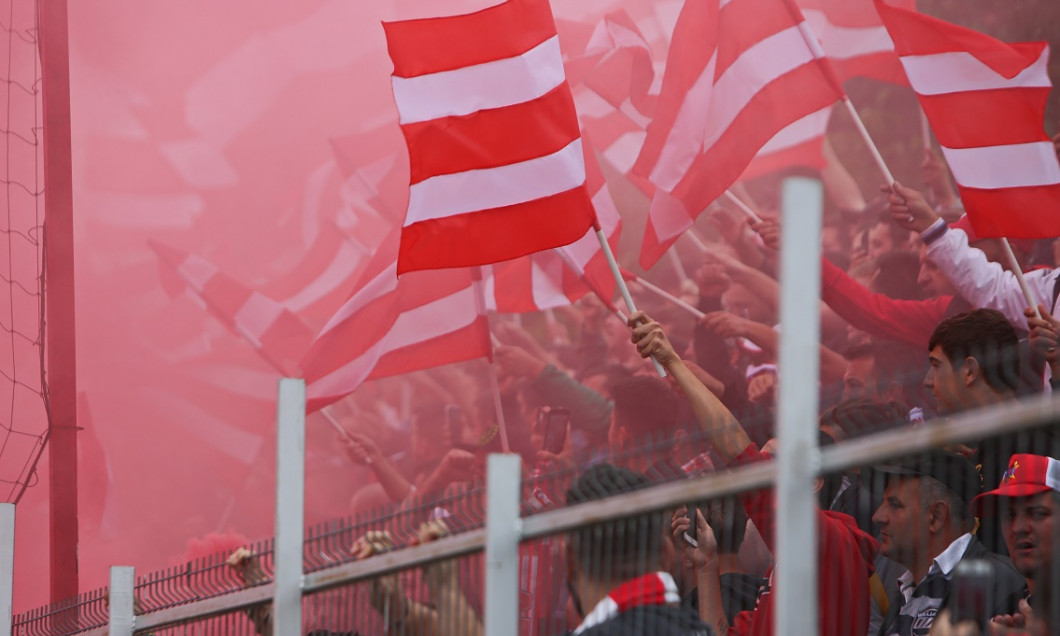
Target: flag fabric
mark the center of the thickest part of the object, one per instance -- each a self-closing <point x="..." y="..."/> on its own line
<point x="495" y="152"/>
<point x="854" y="38"/>
<point x="800" y="144"/>
<point x="278" y="335"/>
<point x="739" y="72"/>
<point x="985" y="100"/>
<point x="559" y="277"/>
<point x="391" y="326"/>
<point x="623" y="72"/>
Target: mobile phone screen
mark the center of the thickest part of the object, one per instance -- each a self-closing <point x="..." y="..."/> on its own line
<point x="556" y="430"/>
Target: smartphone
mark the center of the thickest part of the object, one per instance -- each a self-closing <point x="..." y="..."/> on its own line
<point x="690" y="534"/>
<point x="557" y="428"/>
<point x="973" y="593"/>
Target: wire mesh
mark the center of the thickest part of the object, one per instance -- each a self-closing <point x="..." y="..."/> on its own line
<point x="23" y="408"/>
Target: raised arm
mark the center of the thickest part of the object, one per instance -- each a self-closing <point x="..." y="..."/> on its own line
<point x="729" y="438"/>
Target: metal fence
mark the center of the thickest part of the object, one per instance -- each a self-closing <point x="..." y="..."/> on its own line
<point x="501" y="572"/>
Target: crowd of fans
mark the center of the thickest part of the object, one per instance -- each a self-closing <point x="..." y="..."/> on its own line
<point x="921" y="319"/>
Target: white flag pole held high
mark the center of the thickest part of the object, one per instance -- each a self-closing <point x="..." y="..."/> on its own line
<point x="622" y="288"/>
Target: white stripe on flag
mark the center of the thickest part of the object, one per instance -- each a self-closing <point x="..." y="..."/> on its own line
<point x="668" y="215"/>
<point x="434" y="319"/>
<point x="257" y="314"/>
<point x="509" y="81"/>
<point x="346" y="260"/>
<point x="685" y="139"/>
<point x="196" y="271"/>
<point x="384" y="282"/>
<point x="545" y="287"/>
<point x="996" y="167"/>
<point x="623" y="153"/>
<point x="844" y="43"/>
<point x="414" y="326"/>
<point x="453" y="194"/>
<point x="750" y="74"/>
<point x="489" y="287"/>
<point x="958" y="72"/>
<point x="809" y="127"/>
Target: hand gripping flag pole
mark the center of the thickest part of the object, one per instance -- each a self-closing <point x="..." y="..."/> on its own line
<point x="622" y="288"/>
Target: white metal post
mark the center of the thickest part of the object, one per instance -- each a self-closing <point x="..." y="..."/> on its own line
<point x="122" y="604"/>
<point x="290" y="506"/>
<point x="502" y="545"/>
<point x="798" y="367"/>
<point x="7" y="565"/>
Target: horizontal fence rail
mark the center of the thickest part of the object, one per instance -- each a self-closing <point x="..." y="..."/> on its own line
<point x="210" y="588"/>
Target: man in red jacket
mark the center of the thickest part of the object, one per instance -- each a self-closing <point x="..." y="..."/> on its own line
<point x="846" y="553"/>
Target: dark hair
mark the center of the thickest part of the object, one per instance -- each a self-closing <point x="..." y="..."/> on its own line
<point x="899" y="235"/>
<point x="728" y="521"/>
<point x="832" y="482"/>
<point x="645" y="406"/>
<point x="896" y="275"/>
<point x="619" y="549"/>
<point x="987" y="336"/>
<point x="861" y="416"/>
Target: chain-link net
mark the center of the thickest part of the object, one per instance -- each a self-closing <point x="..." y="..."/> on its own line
<point x="23" y="408"/>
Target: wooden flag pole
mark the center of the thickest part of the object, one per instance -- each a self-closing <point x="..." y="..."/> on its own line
<point x="1018" y="271"/>
<point x="621" y="283"/>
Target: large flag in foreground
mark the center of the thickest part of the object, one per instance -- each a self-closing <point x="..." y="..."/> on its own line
<point x="392" y="326"/>
<point x="985" y="100"/>
<point x="738" y="73"/>
<point x="559" y="277"/>
<point x="495" y="151"/>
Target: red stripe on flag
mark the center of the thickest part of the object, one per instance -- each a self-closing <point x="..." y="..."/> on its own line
<point x="430" y="244"/>
<point x="432" y="45"/>
<point x="491" y="138"/>
<point x="1029" y="212"/>
<point x="918" y="34"/>
<point x="513" y="284"/>
<point x="783" y="101"/>
<point x="975" y="119"/>
<point x="468" y="340"/>
<point x="756" y="19"/>
<point x="808" y="154"/>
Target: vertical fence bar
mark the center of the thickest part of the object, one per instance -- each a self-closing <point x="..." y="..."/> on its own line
<point x="290" y="506"/>
<point x="122" y="604"/>
<point x="502" y="545"/>
<point x="7" y="565"/>
<point x="798" y="367"/>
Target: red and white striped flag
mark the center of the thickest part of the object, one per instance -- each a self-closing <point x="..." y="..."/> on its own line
<point x="558" y="277"/>
<point x="854" y="38"/>
<point x="494" y="146"/>
<point x="623" y="73"/>
<point x="799" y="144"/>
<point x="278" y="335"/>
<point x="391" y="326"/>
<point x="985" y="100"/>
<point x="739" y="72"/>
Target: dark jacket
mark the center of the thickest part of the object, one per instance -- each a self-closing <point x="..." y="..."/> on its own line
<point x="657" y="620"/>
<point x="932" y="595"/>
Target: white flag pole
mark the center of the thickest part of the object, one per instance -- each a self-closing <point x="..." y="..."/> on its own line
<point x="815" y="47"/>
<point x="738" y="202"/>
<point x="621" y="282"/>
<point x="662" y="293"/>
<point x="1018" y="271"/>
<point x="925" y="129"/>
<point x="495" y="387"/>
<point x="696" y="240"/>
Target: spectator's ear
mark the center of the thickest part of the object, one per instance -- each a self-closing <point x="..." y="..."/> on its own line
<point x="971" y="371"/>
<point x="818" y="484"/>
<point x="939" y="516"/>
